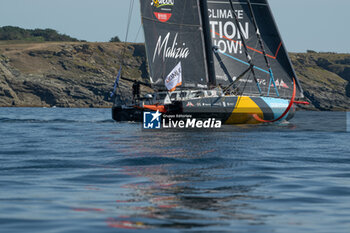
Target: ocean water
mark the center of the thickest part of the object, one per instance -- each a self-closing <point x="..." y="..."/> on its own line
<point x="75" y="170"/>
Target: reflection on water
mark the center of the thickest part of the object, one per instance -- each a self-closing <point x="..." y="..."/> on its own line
<point x="75" y="170"/>
<point x="182" y="185"/>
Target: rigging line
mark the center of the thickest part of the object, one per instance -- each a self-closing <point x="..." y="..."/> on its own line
<point x="255" y="50"/>
<point x="223" y="67"/>
<point x="246" y="63"/>
<point x="246" y="82"/>
<point x="245" y="72"/>
<point x="245" y="85"/>
<point x="221" y="62"/>
<point x="131" y="6"/>
<point x="125" y="42"/>
<point x="237" y="79"/>
<point x="239" y="99"/>
<point x="124" y="49"/>
<point x="138" y="32"/>
<point x="278" y="49"/>
<point x="244" y="45"/>
<point x="254" y="54"/>
<point x="262" y="48"/>
<point x="258" y="34"/>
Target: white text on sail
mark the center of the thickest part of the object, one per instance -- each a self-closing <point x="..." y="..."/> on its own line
<point x="162" y="48"/>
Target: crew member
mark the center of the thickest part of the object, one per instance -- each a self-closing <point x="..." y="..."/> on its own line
<point x="136" y="90"/>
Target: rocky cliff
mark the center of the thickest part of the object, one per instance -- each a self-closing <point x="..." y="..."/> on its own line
<point x="66" y="74"/>
<point x="325" y="78"/>
<point x="78" y="74"/>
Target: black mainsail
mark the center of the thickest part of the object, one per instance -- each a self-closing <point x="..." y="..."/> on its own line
<point x="221" y="42"/>
<point x="246" y="36"/>
<point x="175" y="40"/>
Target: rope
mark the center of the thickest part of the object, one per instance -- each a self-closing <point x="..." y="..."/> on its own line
<point x="244" y="45"/>
<point x="138" y="32"/>
<point x="262" y="48"/>
<point x="131" y="7"/>
<point x="116" y="83"/>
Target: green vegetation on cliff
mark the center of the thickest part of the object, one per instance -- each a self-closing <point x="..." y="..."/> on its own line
<point x="10" y="33"/>
<point x="325" y="78"/>
<point x="115" y="39"/>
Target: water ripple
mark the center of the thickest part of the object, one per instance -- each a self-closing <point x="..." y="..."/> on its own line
<point x="75" y="170"/>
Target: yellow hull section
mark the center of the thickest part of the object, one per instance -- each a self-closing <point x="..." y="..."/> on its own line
<point x="244" y="111"/>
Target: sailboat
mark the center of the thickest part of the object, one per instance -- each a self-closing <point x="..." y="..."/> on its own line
<point x="217" y="59"/>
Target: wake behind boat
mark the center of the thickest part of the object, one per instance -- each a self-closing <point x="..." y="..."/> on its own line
<point x="213" y="59"/>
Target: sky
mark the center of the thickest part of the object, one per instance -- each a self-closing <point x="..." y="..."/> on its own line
<point x="320" y="25"/>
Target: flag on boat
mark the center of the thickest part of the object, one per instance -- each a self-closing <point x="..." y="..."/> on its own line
<point x="116" y="82"/>
<point x="174" y="79"/>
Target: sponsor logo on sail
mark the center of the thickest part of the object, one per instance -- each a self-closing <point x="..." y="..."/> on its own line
<point x="163" y="9"/>
<point x="177" y="50"/>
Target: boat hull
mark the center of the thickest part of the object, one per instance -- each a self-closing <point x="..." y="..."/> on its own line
<point x="228" y="109"/>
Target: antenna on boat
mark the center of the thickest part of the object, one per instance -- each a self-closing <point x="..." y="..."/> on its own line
<point x="245" y="46"/>
<point x="272" y="79"/>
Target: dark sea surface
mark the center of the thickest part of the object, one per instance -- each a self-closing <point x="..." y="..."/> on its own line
<point x="75" y="170"/>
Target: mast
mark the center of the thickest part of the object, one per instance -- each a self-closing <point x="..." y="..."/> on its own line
<point x="208" y="43"/>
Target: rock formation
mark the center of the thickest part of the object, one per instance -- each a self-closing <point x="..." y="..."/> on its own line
<point x="80" y="74"/>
